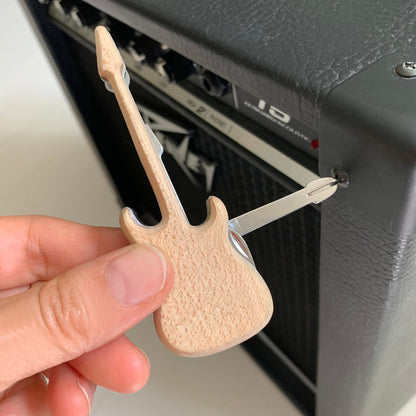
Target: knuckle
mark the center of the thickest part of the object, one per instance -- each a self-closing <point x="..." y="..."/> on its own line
<point x="64" y="314"/>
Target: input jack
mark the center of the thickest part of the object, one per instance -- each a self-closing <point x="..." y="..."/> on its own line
<point x="213" y="84"/>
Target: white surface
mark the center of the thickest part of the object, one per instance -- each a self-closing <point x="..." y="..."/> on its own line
<point x="48" y="167"/>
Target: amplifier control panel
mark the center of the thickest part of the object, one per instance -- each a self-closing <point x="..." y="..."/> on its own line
<point x="212" y="98"/>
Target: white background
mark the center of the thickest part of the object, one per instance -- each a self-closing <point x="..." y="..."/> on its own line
<point x="47" y="166"/>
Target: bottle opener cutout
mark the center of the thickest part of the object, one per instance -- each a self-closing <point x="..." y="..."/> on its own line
<point x="218" y="299"/>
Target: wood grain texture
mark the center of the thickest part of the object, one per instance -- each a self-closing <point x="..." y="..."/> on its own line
<point x="218" y="299"/>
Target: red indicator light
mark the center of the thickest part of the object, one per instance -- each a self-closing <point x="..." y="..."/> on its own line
<point x="314" y="144"/>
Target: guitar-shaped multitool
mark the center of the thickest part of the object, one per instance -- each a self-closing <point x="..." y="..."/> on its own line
<point x="218" y="299"/>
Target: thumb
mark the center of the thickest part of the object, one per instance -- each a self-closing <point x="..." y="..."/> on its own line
<point x="80" y="310"/>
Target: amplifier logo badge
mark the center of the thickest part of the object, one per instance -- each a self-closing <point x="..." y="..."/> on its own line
<point x="277" y="121"/>
<point x="274" y="112"/>
<point x="199" y="170"/>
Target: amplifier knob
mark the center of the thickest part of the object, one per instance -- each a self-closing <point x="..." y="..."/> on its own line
<point x="142" y="48"/>
<point x="121" y="33"/>
<point x="64" y="7"/>
<point x="85" y="15"/>
<point x="136" y="53"/>
<point x="173" y="67"/>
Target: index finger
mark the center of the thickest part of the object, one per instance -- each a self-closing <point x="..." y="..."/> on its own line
<point x="36" y="248"/>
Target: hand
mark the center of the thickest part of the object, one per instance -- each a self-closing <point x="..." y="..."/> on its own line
<point x="68" y="292"/>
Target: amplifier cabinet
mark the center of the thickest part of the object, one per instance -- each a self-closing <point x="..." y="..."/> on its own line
<point x="252" y="101"/>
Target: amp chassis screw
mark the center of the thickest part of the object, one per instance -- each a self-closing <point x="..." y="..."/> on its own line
<point x="406" y="69"/>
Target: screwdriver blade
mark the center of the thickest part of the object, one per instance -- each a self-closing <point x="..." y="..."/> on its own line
<point x="314" y="193"/>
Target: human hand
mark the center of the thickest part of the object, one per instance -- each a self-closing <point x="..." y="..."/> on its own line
<point x="68" y="292"/>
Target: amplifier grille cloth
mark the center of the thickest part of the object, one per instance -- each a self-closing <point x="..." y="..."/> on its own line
<point x="286" y="252"/>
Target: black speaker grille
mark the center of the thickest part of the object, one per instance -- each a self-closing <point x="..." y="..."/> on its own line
<point x="286" y="252"/>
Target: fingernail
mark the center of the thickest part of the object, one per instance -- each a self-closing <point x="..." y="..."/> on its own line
<point x="136" y="275"/>
<point x="87" y="388"/>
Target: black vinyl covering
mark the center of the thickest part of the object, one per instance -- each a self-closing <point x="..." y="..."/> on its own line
<point x="290" y="53"/>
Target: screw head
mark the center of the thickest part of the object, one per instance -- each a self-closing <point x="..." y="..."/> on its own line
<point x="406" y="69"/>
<point x="341" y="176"/>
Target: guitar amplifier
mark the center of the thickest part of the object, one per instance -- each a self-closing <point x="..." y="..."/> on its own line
<point x="253" y="100"/>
